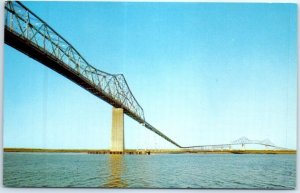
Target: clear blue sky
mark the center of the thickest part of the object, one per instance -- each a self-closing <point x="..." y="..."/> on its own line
<point x="204" y="74"/>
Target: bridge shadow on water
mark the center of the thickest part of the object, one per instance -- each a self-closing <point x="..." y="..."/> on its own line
<point x="116" y="166"/>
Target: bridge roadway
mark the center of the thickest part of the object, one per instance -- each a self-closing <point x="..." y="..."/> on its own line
<point x="29" y="34"/>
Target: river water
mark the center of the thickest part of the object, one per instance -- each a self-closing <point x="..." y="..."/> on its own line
<point x="254" y="171"/>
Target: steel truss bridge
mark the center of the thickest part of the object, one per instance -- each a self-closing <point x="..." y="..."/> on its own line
<point x="241" y="141"/>
<point x="29" y="34"/>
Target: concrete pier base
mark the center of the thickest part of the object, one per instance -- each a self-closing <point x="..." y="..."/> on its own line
<point x="117" y="131"/>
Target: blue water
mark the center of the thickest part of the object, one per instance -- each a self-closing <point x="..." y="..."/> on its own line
<point x="150" y="171"/>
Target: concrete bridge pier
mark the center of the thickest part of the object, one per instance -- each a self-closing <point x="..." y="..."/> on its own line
<point x="117" y="131"/>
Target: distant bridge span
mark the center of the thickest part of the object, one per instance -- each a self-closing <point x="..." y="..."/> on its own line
<point x="241" y="141"/>
<point x="29" y="34"/>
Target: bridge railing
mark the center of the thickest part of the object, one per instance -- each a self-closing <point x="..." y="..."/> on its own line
<point x="32" y="29"/>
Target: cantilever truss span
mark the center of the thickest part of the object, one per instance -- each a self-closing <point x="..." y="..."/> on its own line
<point x="29" y="34"/>
<point x="241" y="141"/>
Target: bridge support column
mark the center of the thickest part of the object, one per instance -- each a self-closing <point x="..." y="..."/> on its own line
<point x="117" y="131"/>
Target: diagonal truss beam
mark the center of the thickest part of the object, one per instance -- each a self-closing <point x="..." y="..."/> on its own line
<point x="29" y="34"/>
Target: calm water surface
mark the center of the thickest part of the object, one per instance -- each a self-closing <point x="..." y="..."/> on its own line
<point x="150" y="171"/>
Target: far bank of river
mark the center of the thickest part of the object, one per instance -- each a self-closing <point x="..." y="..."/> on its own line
<point x="150" y="151"/>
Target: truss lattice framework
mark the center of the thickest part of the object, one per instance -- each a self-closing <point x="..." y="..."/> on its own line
<point x="28" y="26"/>
<point x="245" y="140"/>
<point x="29" y="34"/>
<point x="240" y="141"/>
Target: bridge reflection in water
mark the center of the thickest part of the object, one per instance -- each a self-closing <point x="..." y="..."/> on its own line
<point x="116" y="166"/>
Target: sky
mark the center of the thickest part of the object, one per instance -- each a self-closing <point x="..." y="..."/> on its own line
<point x="204" y="73"/>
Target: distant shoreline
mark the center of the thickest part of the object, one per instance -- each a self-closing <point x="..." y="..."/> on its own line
<point x="148" y="151"/>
